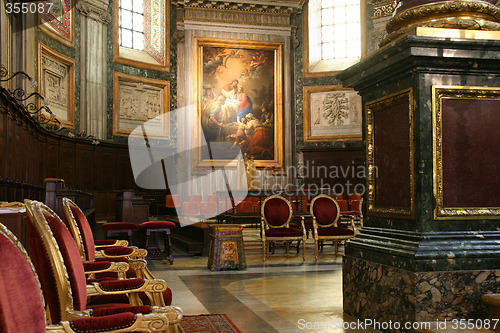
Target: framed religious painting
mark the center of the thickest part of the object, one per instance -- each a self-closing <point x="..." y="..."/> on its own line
<point x="239" y="102"/>
<point x="331" y="113"/>
<point x="56" y="77"/>
<point x="137" y="100"/>
<point x="57" y="21"/>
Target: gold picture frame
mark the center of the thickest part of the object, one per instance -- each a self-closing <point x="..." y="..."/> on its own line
<point x="137" y="100"/>
<point x="56" y="77"/>
<point x="235" y="82"/>
<point x="63" y="10"/>
<point x="332" y="113"/>
<point x="403" y="103"/>
<point x="461" y="95"/>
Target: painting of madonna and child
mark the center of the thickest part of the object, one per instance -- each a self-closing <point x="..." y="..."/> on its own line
<point x="238" y="101"/>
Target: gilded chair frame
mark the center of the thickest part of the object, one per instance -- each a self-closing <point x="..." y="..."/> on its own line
<point x="162" y="318"/>
<point x="266" y="226"/>
<point x="75" y="231"/>
<point x="316" y="225"/>
<point x="154" y="322"/>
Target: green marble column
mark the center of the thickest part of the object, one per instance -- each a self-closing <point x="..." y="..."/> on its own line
<point x="430" y="245"/>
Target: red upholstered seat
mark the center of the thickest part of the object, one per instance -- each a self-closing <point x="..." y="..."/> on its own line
<point x="335" y="231"/>
<point x="157" y="225"/>
<point x="354" y="196"/>
<point x="119" y="226"/>
<point x="118" y="251"/>
<point x="283" y="232"/>
<point x="276" y="215"/>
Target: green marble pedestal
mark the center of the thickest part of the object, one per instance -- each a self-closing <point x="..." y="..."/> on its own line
<point x="430" y="245"/>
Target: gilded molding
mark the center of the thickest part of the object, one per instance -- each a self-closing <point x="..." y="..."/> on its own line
<point x="458" y="92"/>
<point x="236" y="16"/>
<point x="405" y="96"/>
<point x="383" y="10"/>
<point x="457" y="14"/>
<point x="276" y="6"/>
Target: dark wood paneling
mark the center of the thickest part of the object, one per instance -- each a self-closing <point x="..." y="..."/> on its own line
<point x="67" y="161"/>
<point x="84" y="161"/>
<point x="51" y="158"/>
<point x="340" y="169"/>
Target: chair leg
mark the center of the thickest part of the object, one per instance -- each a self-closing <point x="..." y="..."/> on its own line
<point x="336" y="248"/>
<point x="303" y="250"/>
<point x="316" y="249"/>
<point x="287" y="249"/>
<point x="168" y="247"/>
<point x="264" y="253"/>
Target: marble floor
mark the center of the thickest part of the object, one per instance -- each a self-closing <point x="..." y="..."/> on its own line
<point x="281" y="295"/>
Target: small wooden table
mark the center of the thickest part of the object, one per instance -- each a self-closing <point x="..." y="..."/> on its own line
<point x="226" y="248"/>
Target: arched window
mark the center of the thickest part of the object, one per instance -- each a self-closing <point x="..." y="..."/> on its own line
<point x="335" y="35"/>
<point x="141" y="33"/>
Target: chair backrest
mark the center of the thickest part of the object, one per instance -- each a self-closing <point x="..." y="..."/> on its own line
<point x="344" y="205"/>
<point x="276" y="211"/>
<point x="354" y="196"/>
<point x="212" y="198"/>
<point x="80" y="229"/>
<point x="325" y="210"/>
<point x="172" y="200"/>
<point x="208" y="209"/>
<point x="355" y="207"/>
<point x="190" y="208"/>
<point x="338" y="196"/>
<point x="21" y="300"/>
<point x="244" y="207"/>
<point x="195" y="198"/>
<point x="57" y="261"/>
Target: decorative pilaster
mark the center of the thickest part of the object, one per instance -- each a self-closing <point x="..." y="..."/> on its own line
<point x="93" y="111"/>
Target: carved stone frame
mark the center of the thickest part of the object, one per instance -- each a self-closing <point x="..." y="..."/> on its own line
<point x="70" y="81"/>
<point x="308" y="137"/>
<point x="165" y="85"/>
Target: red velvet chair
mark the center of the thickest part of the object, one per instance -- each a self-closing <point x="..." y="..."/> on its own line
<point x="22" y="303"/>
<point x="338" y="196"/>
<point x="276" y="214"/>
<point x="173" y="201"/>
<point x="326" y="212"/>
<point x="113" y="228"/>
<point x="58" y="263"/>
<point x="357" y="211"/>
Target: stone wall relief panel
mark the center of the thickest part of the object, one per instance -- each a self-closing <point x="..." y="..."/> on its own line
<point x="137" y="100"/>
<point x="331" y="113"/>
<point x="57" y="86"/>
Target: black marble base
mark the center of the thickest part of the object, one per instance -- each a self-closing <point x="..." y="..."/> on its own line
<point x="384" y="293"/>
